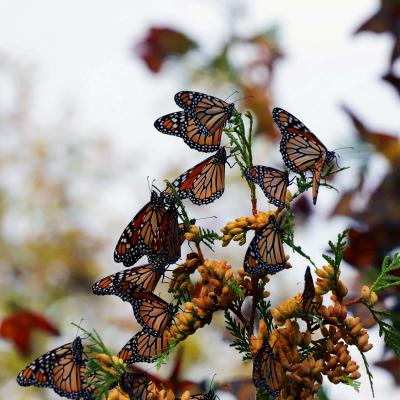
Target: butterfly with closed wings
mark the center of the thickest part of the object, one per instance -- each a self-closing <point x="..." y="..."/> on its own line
<point x="201" y="123"/>
<point x="205" y="182"/>
<point x="265" y="253"/>
<point x="144" y="347"/>
<point x="301" y="149"/>
<point x="154" y="231"/>
<point x="267" y="371"/>
<point x="134" y="384"/>
<point x="273" y="182"/>
<point x="62" y="369"/>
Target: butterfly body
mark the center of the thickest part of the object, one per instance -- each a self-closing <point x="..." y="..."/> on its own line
<point x="147" y="232"/>
<point x="62" y="369"/>
<point x="300" y="148"/>
<point x="265" y="253"/>
<point x="273" y="182"/>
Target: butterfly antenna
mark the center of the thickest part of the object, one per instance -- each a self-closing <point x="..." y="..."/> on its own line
<point x="79" y="328"/>
<point x="236" y="91"/>
<point x="212" y="216"/>
<point x="244" y="98"/>
<point x="344" y="148"/>
<point x="212" y="381"/>
<point x="151" y="185"/>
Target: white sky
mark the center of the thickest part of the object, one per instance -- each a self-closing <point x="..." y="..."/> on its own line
<point x="82" y="58"/>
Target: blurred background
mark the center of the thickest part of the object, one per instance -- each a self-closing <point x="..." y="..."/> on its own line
<point x="81" y="84"/>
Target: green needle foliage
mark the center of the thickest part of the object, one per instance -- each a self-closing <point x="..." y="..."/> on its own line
<point x="208" y="237"/>
<point x="99" y="377"/>
<point x="386" y="279"/>
<point x="239" y="332"/>
<point x="288" y="225"/>
<point x="241" y="145"/>
<point x="338" y="251"/>
<point x="390" y="334"/>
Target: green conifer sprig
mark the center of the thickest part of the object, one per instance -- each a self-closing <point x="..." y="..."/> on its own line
<point x="240" y="145"/>
<point x="288" y="237"/>
<point x="100" y="378"/>
<point x="239" y="332"/>
<point x="208" y="237"/>
<point x="390" y="334"/>
<point x="369" y="373"/>
<point x="338" y="251"/>
<point x="386" y="279"/>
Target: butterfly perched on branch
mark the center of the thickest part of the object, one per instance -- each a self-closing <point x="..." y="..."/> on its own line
<point x="144" y="347"/>
<point x="273" y="182"/>
<point x="301" y="149"/>
<point x="154" y="231"/>
<point x="205" y="182"/>
<point x="265" y="253"/>
<point x="123" y="283"/>
<point x="62" y="369"/>
<point x="267" y="371"/>
<point x="201" y="123"/>
<point x="134" y="384"/>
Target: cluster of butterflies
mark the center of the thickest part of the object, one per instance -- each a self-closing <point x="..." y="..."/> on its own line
<point x="155" y="232"/>
<point x="266" y="367"/>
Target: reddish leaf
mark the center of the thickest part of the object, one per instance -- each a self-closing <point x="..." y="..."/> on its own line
<point x="159" y="44"/>
<point x="386" y="19"/>
<point x="392" y="365"/>
<point x="18" y="328"/>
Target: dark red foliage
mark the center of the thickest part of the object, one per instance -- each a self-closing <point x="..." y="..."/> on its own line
<point x="386" y="19"/>
<point x="159" y="44"/>
<point x="18" y="328"/>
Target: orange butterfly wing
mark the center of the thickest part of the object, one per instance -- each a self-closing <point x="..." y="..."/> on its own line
<point x="180" y="124"/>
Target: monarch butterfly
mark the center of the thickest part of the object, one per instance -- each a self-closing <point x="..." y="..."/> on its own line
<point x="205" y="182"/>
<point x="308" y="295"/>
<point x="180" y="124"/>
<point x="301" y="149"/>
<point x="267" y="371"/>
<point x="143" y="347"/>
<point x="62" y="369"/>
<point x="272" y="182"/>
<point x="208" y="112"/>
<point x="134" y="385"/>
<point x="122" y="284"/>
<point x="265" y="253"/>
<point x="142" y="235"/>
<point x="152" y="312"/>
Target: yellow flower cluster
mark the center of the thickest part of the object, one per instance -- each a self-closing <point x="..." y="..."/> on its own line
<point x="256" y="342"/>
<point x="192" y="234"/>
<point x="286" y="310"/>
<point x="328" y="280"/>
<point x="181" y="274"/>
<point x="117" y="394"/>
<point x="236" y="230"/>
<point x="216" y="293"/>
<point x="154" y="393"/>
<point x="109" y="365"/>
<point x="369" y="295"/>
